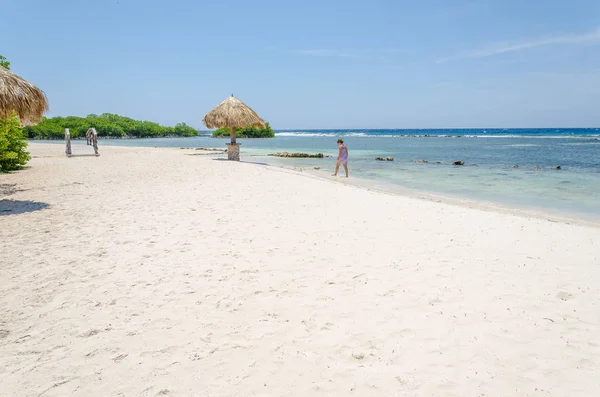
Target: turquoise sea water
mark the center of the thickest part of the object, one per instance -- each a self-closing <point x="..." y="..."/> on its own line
<point x="489" y="173"/>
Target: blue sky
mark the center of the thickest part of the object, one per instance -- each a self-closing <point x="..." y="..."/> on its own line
<point x="315" y="64"/>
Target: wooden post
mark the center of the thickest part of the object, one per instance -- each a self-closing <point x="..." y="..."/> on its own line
<point x="68" y="142"/>
<point x="232" y="135"/>
<point x="95" y="141"/>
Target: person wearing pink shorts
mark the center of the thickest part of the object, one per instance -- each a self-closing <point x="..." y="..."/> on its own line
<point x="342" y="158"/>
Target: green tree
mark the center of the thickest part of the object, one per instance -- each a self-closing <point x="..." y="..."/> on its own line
<point x="247" y="132"/>
<point x="12" y="145"/>
<point x="182" y="129"/>
<point x="107" y="125"/>
<point x="4" y="62"/>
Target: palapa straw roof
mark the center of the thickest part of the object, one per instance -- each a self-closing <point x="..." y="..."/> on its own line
<point x="22" y="97"/>
<point x="232" y="113"/>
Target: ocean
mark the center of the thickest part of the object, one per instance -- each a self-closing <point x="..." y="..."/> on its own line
<point x="510" y="168"/>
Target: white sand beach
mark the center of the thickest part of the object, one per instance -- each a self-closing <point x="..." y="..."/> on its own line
<point x="163" y="272"/>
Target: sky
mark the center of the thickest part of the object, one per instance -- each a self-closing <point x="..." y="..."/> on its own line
<point x="315" y="64"/>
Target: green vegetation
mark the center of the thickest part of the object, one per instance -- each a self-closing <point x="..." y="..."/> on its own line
<point x="12" y="145"/>
<point x="106" y="125"/>
<point x="248" y="132"/>
<point x="4" y="62"/>
<point x="12" y="139"/>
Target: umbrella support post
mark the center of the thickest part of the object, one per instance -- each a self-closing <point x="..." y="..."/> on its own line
<point x="233" y="151"/>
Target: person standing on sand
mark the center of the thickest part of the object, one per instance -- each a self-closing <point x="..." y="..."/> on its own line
<point x="342" y="158"/>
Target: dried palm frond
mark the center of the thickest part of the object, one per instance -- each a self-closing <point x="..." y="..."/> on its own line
<point x="232" y="113"/>
<point x="20" y="96"/>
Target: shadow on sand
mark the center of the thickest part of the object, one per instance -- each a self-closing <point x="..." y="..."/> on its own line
<point x="242" y="161"/>
<point x="15" y="207"/>
<point x="203" y="154"/>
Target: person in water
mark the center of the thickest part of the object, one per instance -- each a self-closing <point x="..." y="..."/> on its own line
<point x="342" y="158"/>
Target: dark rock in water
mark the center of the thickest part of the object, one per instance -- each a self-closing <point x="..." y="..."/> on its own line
<point x="438" y="162"/>
<point x="389" y="159"/>
<point x="420" y="161"/>
<point x="379" y="159"/>
<point x="317" y="168"/>
<point x="515" y="166"/>
<point x="558" y="167"/>
<point x="208" y="149"/>
<point x="301" y="155"/>
<point x="458" y="163"/>
<point x="537" y="167"/>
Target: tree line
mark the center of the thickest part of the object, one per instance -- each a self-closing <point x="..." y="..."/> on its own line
<point x="106" y="125"/>
<point x="247" y="132"/>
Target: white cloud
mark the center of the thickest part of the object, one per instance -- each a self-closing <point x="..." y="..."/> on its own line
<point x="569" y="39"/>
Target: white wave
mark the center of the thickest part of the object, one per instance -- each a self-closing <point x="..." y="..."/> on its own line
<point x="362" y="134"/>
<point x="312" y="134"/>
<point x="514" y="136"/>
<point x="579" y="144"/>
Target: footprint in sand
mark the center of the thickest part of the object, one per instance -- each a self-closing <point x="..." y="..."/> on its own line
<point x="564" y="296"/>
<point x="120" y="358"/>
<point x="90" y="333"/>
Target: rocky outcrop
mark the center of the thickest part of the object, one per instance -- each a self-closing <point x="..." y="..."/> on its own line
<point x="206" y="149"/>
<point x="298" y="155"/>
<point x="460" y="162"/>
<point x="210" y="149"/>
<point x="423" y="161"/>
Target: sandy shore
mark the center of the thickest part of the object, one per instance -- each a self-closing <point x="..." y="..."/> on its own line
<point x="158" y="272"/>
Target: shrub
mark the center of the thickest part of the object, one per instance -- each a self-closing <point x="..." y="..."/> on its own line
<point x="106" y="124"/>
<point x="247" y="132"/>
<point x="13" y="143"/>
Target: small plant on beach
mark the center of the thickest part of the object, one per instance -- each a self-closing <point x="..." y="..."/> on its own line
<point x="4" y="62"/>
<point x="13" y="155"/>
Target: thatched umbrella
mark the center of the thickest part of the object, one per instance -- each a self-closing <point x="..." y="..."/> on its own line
<point x="20" y="96"/>
<point x="232" y="113"/>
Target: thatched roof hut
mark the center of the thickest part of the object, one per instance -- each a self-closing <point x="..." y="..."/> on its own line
<point x="232" y="113"/>
<point x="20" y="96"/>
